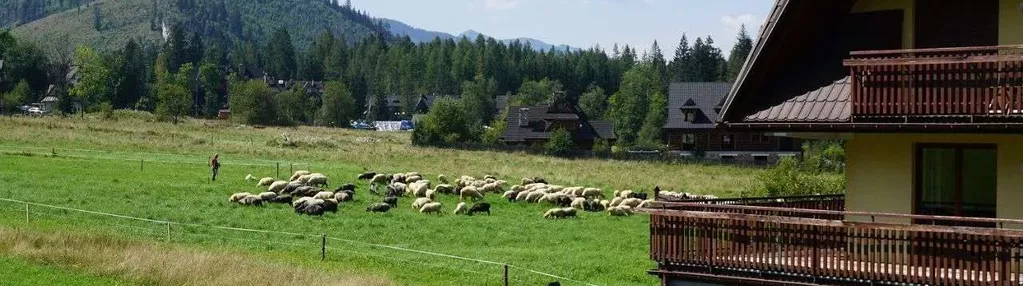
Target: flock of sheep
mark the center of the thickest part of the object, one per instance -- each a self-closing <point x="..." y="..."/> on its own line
<point x="304" y="191"/>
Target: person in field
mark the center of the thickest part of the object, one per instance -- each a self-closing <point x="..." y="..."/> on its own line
<point x="215" y="165"/>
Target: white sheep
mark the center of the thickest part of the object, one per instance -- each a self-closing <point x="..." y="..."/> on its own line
<point x="556" y="188"/>
<point x="277" y="186"/>
<point x="445" y="189"/>
<point x="460" y="208"/>
<point x="522" y="195"/>
<point x="418" y="189"/>
<point x="442" y="179"/>
<point x="631" y="202"/>
<point x="342" y="196"/>
<point x="316" y="179"/>
<point x="619" y="211"/>
<point x="510" y="194"/>
<point x="300" y="201"/>
<point x="238" y="196"/>
<point x="578" y="203"/>
<point x="251" y="200"/>
<point x="413" y="179"/>
<point x="265" y="182"/>
<point x="420" y="202"/>
<point x="431" y="194"/>
<point x="517" y="188"/>
<point x="323" y="195"/>
<point x="430" y="208"/>
<point x="534" y="197"/>
<point x="400" y="187"/>
<point x="491" y="188"/>
<point x="605" y="203"/>
<point x="625" y="194"/>
<point x="249" y="178"/>
<point x="554" y="213"/>
<point x="470" y="193"/>
<point x="299" y="174"/>
<point x="616" y="201"/>
<point x="268" y="196"/>
<point x="645" y="203"/>
<point x="592" y="193"/>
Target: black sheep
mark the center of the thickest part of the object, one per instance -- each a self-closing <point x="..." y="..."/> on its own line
<point x="282" y="199"/>
<point x="392" y="201"/>
<point x="307" y="191"/>
<point x="367" y="175"/>
<point x="638" y="195"/>
<point x="330" y="206"/>
<point x="593" y="206"/>
<point x="345" y="187"/>
<point x="313" y="209"/>
<point x="378" y="208"/>
<point x="563" y="201"/>
<point x="479" y="208"/>
<point x="290" y="188"/>
<point x="539" y="180"/>
<point x="392" y="192"/>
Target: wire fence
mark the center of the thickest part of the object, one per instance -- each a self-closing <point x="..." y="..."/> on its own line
<point x="323" y="246"/>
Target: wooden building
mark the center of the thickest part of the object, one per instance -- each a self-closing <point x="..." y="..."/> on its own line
<point x="532" y="125"/>
<point x="690" y="130"/>
<point x="928" y="95"/>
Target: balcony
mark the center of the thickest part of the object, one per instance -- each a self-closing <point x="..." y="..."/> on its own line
<point x="965" y="83"/>
<point x="731" y="243"/>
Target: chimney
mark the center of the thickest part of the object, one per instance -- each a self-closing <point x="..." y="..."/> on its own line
<point x="523" y="117"/>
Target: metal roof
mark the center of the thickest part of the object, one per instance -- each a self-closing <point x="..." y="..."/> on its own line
<point x="701" y="97"/>
<point x="826" y="104"/>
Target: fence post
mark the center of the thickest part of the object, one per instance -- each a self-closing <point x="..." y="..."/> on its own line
<point x="323" y="247"/>
<point x="168" y="232"/>
<point x="278" y="170"/>
<point x="26" y="212"/>
<point x="506" y="275"/>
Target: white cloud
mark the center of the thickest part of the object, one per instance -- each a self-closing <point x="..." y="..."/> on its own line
<point x="734" y="22"/>
<point x="500" y="4"/>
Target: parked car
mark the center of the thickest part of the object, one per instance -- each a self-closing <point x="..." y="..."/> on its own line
<point x="362" y="125"/>
<point x="407" y="125"/>
<point x="35" y="111"/>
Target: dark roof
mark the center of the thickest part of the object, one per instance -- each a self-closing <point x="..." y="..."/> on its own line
<point x="501" y="102"/>
<point x="538" y="120"/>
<point x="826" y="104"/>
<point x="701" y="97"/>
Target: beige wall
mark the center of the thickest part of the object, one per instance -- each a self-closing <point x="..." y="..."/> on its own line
<point x="1010" y="20"/>
<point x="880" y="171"/>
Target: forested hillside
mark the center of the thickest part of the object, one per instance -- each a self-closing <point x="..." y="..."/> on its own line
<point x="108" y="24"/>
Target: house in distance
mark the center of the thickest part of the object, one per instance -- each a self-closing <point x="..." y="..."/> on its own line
<point x="533" y="125"/>
<point x="693" y="109"/>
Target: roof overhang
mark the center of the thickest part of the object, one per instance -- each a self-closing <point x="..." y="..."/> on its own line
<point x="850" y="127"/>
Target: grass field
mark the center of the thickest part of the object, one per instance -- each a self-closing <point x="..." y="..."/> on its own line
<point x="20" y="272"/>
<point x="99" y="166"/>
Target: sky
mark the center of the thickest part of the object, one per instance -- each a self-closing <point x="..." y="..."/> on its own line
<point x="582" y="23"/>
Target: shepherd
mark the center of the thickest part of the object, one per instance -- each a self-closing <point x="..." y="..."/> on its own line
<point x="215" y="165"/>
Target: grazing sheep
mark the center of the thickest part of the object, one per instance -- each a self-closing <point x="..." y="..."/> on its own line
<point x="418" y="190"/>
<point x="251" y="200"/>
<point x="639" y="195"/>
<point x="430" y="208"/>
<point x="291" y="187"/>
<point x="317" y="180"/>
<point x="554" y="213"/>
<point x="517" y="188"/>
<point x="378" y="208"/>
<point x="401" y="187"/>
<point x="267" y="196"/>
<point x="578" y="203"/>
<point x="249" y="177"/>
<point x="625" y="194"/>
<point x="346" y="187"/>
<point x="489" y="180"/>
<point x="309" y="206"/>
<point x="522" y="195"/>
<point x="527" y="181"/>
<point x="378" y="179"/>
<point x="394" y="192"/>
<point x="330" y="205"/>
<point x="412" y="174"/>
<point x="645" y="204"/>
<point x="593" y="206"/>
<point x="479" y="184"/>
<point x="300" y="201"/>
<point x="510" y="195"/>
<point x="470" y="193"/>
<point x="605" y="203"/>
<point x="398" y="178"/>
<point x="480" y="208"/>
<point x="299" y="174"/>
<point x="306" y="191"/>
<point x="445" y="189"/>
<point x="420" y="202"/>
<point x="442" y="179"/>
<point x="413" y="179"/>
<point x="489" y="177"/>
<point x="264" y="182"/>
<point x="393" y="201"/>
<point x="593" y="193"/>
<point x="535" y="197"/>
<point x="569" y="212"/>
<point x="460" y="208"/>
<point x="616" y="201"/>
<point x="323" y="195"/>
<point x="277" y="186"/>
<point x="491" y="188"/>
<point x="631" y="202"/>
<point x="431" y="194"/>
<point x="282" y="199"/>
<point x="237" y="197"/>
<point x="343" y="196"/>
<point x="618" y="211"/>
<point x="366" y="176"/>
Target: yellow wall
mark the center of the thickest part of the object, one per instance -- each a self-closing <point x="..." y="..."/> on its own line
<point x="1010" y="23"/>
<point x="1010" y="20"/>
<point x="880" y="171"/>
<point x="907" y="18"/>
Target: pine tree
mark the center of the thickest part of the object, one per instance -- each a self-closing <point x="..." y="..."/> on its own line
<point x="660" y="66"/>
<point x="681" y="64"/>
<point x="737" y="58"/>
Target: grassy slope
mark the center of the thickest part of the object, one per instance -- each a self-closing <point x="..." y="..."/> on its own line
<point x="16" y="271"/>
<point x="595" y="248"/>
<point x="123" y="20"/>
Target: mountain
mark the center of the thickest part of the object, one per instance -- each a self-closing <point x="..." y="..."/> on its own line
<point x="222" y="21"/>
<point x="418" y="35"/>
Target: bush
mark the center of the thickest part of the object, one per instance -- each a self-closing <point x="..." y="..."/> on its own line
<point x="601" y="148"/>
<point x="252" y="102"/>
<point x="173" y="102"/>
<point x="823" y="156"/>
<point x="446" y="124"/>
<point x="105" y="110"/>
<point x="559" y="144"/>
<point x="492" y="136"/>
<point x="788" y="179"/>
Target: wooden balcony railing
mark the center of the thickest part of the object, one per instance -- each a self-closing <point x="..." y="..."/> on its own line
<point x="735" y="247"/>
<point x="969" y="81"/>
<point x="788" y="204"/>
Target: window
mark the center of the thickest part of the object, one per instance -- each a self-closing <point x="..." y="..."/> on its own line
<point x="728" y="142"/>
<point x="759" y="138"/>
<point x="956" y="180"/>
<point x="689" y="116"/>
<point x="688" y="139"/>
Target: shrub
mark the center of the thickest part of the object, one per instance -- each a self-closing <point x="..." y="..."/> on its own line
<point x="823" y="156"/>
<point x="559" y="144"/>
<point x="446" y="124"/>
<point x="601" y="148"/>
<point x="252" y="102"/>
<point x="105" y="110"/>
<point x="492" y="136"/>
<point x="173" y="102"/>
<point x="788" y="179"/>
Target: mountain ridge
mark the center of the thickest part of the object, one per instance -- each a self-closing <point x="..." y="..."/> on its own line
<point x="418" y="35"/>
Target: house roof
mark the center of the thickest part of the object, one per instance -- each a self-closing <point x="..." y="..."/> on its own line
<point x="49" y="99"/>
<point x="701" y="97"/>
<point x="826" y="104"/>
<point x="501" y="102"/>
<point x="540" y="119"/>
